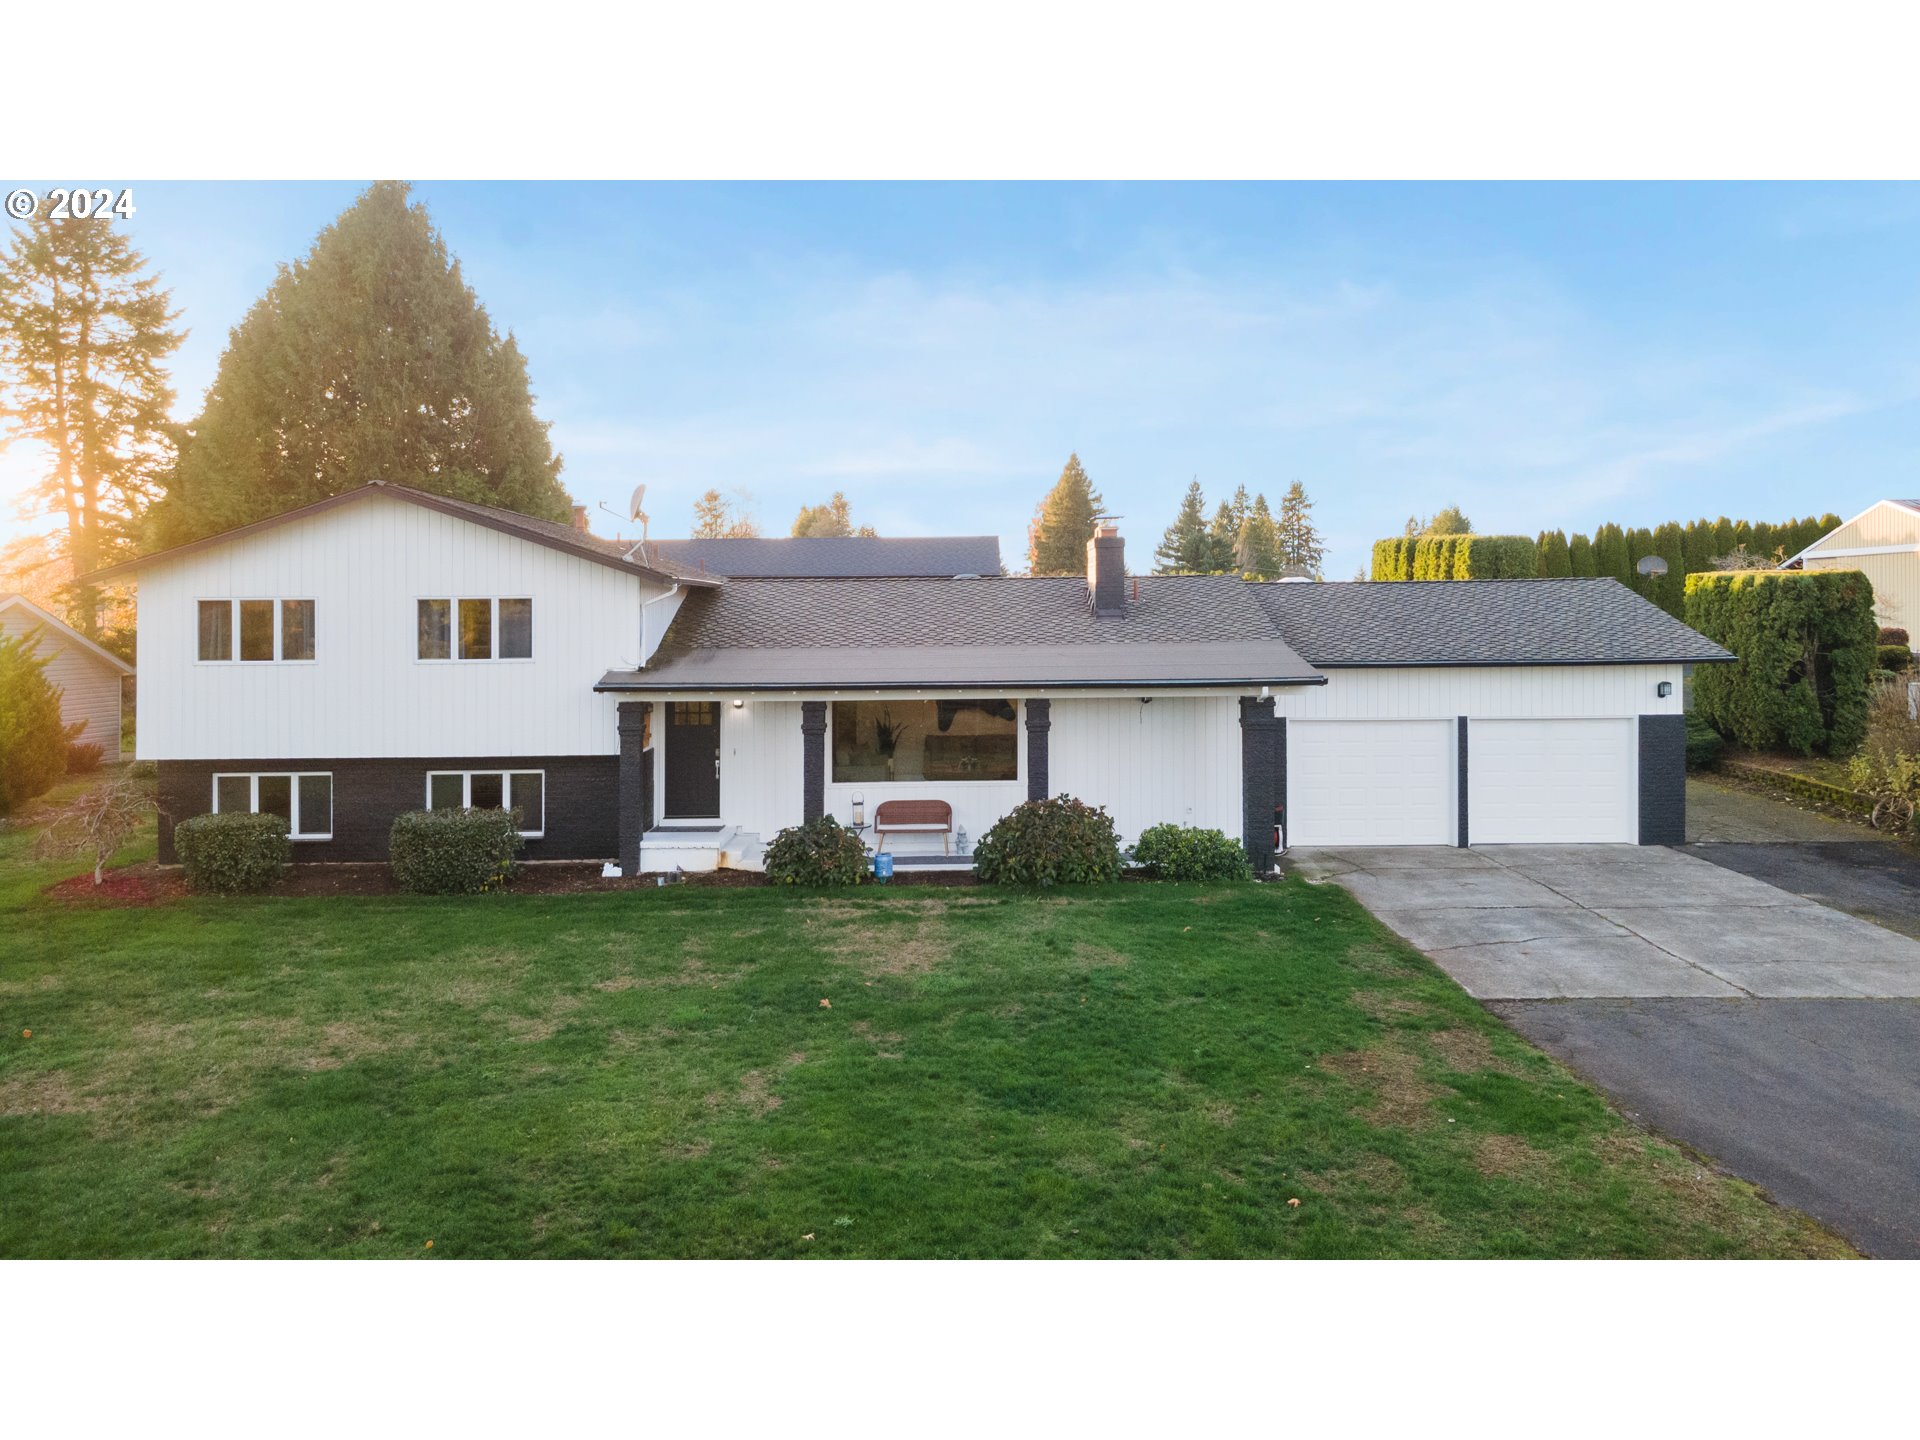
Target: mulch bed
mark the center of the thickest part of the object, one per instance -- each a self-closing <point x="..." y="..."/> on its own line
<point x="128" y="887"/>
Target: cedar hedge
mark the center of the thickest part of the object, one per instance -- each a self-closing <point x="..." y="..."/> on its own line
<point x="454" y="852"/>
<point x="1186" y="852"/>
<point x="1704" y="744"/>
<point x="820" y="852"/>
<point x="1456" y="557"/>
<point x="1061" y="841"/>
<point x="233" y="854"/>
<point x="1806" y="642"/>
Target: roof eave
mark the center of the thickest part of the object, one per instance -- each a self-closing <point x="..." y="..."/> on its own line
<point x="607" y="685"/>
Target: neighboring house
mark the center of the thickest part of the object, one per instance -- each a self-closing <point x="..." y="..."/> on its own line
<point x="387" y="650"/>
<point x="1883" y="541"/>
<point x="897" y="558"/>
<point x="87" y="676"/>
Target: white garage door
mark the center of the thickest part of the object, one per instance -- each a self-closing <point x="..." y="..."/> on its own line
<point x="1535" y="782"/>
<point x="1371" y="782"/>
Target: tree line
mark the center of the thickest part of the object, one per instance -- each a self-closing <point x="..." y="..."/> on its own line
<point x="1698" y="545"/>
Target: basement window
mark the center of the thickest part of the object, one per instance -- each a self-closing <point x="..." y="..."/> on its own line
<point x="304" y="799"/>
<point x="522" y="790"/>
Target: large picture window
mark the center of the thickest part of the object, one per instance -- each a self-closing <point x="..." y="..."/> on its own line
<point x="880" y="740"/>
<point x="475" y="628"/>
<point x="256" y="630"/>
<point x="304" y="801"/>
<point x="522" y="790"/>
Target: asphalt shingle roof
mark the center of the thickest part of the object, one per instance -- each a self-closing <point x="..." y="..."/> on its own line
<point x="815" y="556"/>
<point x="1479" y="622"/>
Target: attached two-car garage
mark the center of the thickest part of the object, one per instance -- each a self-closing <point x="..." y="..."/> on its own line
<point x="1398" y="781"/>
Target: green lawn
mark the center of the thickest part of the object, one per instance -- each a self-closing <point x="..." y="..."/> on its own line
<point x="1131" y="1071"/>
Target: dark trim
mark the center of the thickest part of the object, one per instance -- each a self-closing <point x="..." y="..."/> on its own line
<point x="1039" y="718"/>
<point x="1511" y="664"/>
<point x="813" y="761"/>
<point x="1280" y="774"/>
<point x="636" y="782"/>
<point x="425" y="501"/>
<point x="1261" y="736"/>
<point x="708" y="687"/>
<point x="1663" y="779"/>
<point x="582" y="800"/>
<point x="1462" y="720"/>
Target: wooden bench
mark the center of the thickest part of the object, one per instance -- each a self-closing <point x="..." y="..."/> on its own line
<point x="913" y="817"/>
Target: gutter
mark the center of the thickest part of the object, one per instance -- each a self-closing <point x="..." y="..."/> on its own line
<point x="696" y="685"/>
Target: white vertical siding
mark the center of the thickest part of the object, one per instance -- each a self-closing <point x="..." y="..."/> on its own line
<point x="367" y="693"/>
<point x="760" y="765"/>
<point x="1176" y="759"/>
<point x="1530" y="691"/>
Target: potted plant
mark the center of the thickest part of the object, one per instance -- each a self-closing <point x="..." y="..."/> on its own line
<point x="887" y="735"/>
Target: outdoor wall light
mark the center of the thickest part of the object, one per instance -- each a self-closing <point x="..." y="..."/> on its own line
<point x="739" y="704"/>
<point x="1663" y="689"/>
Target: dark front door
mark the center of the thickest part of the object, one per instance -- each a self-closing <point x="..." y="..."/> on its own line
<point x="693" y="760"/>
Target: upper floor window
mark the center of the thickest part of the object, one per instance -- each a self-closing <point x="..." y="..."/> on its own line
<point x="256" y="630"/>
<point x="476" y="629"/>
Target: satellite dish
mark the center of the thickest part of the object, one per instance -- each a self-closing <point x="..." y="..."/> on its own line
<point x="1651" y="565"/>
<point x="634" y="512"/>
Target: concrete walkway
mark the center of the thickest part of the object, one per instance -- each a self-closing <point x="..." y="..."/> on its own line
<point x="1523" y="922"/>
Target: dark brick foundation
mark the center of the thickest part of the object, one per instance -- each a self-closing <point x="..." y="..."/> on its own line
<point x="1263" y="783"/>
<point x="583" y="794"/>
<point x="1663" y="779"/>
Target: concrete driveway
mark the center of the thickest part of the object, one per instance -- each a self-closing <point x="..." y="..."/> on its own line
<point x="1550" y="922"/>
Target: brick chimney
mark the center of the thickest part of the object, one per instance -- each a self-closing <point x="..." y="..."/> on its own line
<point x="580" y="518"/>
<point x="1107" y="571"/>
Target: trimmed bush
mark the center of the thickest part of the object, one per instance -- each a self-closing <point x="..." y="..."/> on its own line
<point x="1704" y="744"/>
<point x="1185" y="852"/>
<point x="1806" y="642"/>
<point x="1456" y="557"/>
<point x="1894" y="635"/>
<point x="1061" y="841"/>
<point x="83" y="758"/>
<point x="33" y="742"/>
<point x="820" y="852"/>
<point x="454" y="852"/>
<point x="1895" y="657"/>
<point x="233" y="854"/>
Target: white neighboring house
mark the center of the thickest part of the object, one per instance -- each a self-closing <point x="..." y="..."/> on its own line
<point x="386" y="650"/>
<point x="1883" y="542"/>
<point x="88" y="677"/>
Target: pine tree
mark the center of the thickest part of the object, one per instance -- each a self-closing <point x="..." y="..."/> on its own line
<point x="1186" y="548"/>
<point x="1580" y="556"/>
<point x="1257" y="554"/>
<point x="714" y="518"/>
<point x="1063" y="523"/>
<point x="1556" y="559"/>
<point x="1223" y="535"/>
<point x="835" y="518"/>
<point x="368" y="359"/>
<point x="84" y="332"/>
<point x="1299" y="543"/>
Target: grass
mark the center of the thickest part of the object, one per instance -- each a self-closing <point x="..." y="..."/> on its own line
<point x="1130" y="1071"/>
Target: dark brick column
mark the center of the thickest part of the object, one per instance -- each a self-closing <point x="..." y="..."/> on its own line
<point x="636" y="782"/>
<point x="1262" y="758"/>
<point x="1039" y="724"/>
<point x="813" y="736"/>
<point x="1462" y="722"/>
<point x="1663" y="779"/>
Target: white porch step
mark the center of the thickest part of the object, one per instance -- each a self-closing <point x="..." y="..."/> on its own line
<point x="687" y="848"/>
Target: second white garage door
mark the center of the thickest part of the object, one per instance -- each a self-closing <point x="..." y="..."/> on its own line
<point x="1371" y="782"/>
<point x="1546" y="782"/>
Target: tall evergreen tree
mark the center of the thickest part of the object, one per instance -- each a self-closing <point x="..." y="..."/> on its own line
<point x="1556" y="560"/>
<point x="1580" y="556"/>
<point x="1451" y="520"/>
<point x="1610" y="553"/>
<point x="835" y="518"/>
<point x="84" y="334"/>
<point x="1298" y="539"/>
<point x="1187" y="547"/>
<point x="1063" y="523"/>
<point x="1223" y="536"/>
<point x="368" y="359"/>
<point x="715" y="518"/>
<point x="1258" y="552"/>
<point x="1668" y="591"/>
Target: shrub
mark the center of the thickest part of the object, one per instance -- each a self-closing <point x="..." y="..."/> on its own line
<point x="33" y="742"/>
<point x="83" y="758"/>
<point x="453" y="852"/>
<point x="1704" y="744"/>
<point x="1456" y="557"/>
<point x="1049" y="842"/>
<point x="820" y="852"/>
<point x="1185" y="852"/>
<point x="1895" y="657"/>
<point x="1887" y="766"/>
<point x="233" y="854"/>
<point x="1894" y="635"/>
<point x="1806" y="642"/>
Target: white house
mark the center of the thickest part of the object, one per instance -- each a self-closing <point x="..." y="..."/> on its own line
<point x="87" y="676"/>
<point x="388" y="650"/>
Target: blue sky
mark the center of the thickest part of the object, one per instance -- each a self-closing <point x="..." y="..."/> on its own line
<point x="1543" y="355"/>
